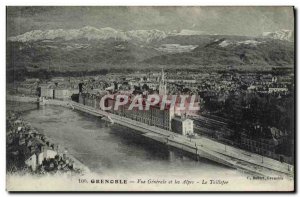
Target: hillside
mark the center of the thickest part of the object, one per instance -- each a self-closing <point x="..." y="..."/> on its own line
<point x="230" y="50"/>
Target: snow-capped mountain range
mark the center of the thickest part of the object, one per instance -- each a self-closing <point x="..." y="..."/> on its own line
<point x="92" y="33"/>
<point x="188" y="32"/>
<point x="283" y="34"/>
<point x="226" y="43"/>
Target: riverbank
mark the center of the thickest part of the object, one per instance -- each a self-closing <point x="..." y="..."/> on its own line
<point x="201" y="147"/>
<point x="112" y="151"/>
<point x="30" y="151"/>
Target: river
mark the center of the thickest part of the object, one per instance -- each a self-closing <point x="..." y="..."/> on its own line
<point x="114" y="149"/>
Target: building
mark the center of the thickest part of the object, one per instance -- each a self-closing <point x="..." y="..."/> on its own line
<point x="278" y="90"/>
<point x="264" y="141"/>
<point x="38" y="152"/>
<point x="182" y="125"/>
<point x="154" y="116"/>
<point x="46" y="90"/>
<point x="162" y="88"/>
<point x="64" y="93"/>
<point x="52" y="91"/>
<point x="31" y="162"/>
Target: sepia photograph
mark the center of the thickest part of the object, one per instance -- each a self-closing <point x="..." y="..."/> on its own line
<point x="150" y="98"/>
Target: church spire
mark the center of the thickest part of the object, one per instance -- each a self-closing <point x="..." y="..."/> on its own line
<point x="162" y="76"/>
<point x="162" y="84"/>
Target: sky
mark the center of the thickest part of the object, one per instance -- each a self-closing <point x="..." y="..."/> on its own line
<point x="248" y="21"/>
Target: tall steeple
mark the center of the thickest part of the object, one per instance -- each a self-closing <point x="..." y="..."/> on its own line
<point x="162" y="76"/>
<point x="162" y="84"/>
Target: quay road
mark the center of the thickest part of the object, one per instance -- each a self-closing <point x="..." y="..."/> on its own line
<point x="201" y="147"/>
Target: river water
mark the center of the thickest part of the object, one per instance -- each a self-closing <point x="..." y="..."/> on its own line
<point x="113" y="149"/>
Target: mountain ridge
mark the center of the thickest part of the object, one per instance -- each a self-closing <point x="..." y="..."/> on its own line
<point x="147" y="36"/>
<point x="90" y="33"/>
<point x="142" y="48"/>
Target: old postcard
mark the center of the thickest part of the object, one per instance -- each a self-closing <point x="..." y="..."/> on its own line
<point x="150" y="98"/>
